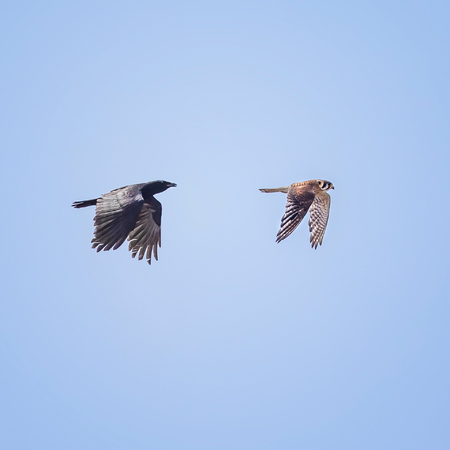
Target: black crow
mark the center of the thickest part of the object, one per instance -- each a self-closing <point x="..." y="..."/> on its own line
<point x="130" y="211"/>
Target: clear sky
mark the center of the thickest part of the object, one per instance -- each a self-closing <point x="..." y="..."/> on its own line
<point x="229" y="341"/>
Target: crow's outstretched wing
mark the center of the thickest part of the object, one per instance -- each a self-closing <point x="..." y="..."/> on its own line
<point x="146" y="235"/>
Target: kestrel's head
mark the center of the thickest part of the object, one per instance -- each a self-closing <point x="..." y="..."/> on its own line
<point x="325" y="185"/>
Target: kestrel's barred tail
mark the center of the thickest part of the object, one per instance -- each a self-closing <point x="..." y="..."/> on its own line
<point x="303" y="197"/>
<point x="281" y="189"/>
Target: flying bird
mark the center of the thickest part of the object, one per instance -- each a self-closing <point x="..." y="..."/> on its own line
<point x="303" y="197"/>
<point x="129" y="212"/>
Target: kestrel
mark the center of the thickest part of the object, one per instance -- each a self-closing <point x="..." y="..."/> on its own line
<point x="303" y="197"/>
<point x="129" y="212"/>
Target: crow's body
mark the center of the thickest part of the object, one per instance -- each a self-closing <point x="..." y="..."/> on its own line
<point x="130" y="212"/>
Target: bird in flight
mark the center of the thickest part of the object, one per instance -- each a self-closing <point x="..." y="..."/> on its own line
<point x="129" y="212"/>
<point x="303" y="197"/>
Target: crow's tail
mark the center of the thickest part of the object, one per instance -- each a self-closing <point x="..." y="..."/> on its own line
<point x="84" y="203"/>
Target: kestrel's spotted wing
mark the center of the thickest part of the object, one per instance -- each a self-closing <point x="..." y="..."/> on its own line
<point x="299" y="200"/>
<point x="318" y="218"/>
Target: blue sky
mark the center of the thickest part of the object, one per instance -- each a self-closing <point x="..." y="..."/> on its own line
<point x="229" y="341"/>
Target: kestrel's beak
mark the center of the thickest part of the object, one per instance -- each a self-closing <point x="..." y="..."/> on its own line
<point x="332" y="187"/>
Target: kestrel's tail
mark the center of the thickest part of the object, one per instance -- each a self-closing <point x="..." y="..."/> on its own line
<point x="280" y="189"/>
<point x="84" y="203"/>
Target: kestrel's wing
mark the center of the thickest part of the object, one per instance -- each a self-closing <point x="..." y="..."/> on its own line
<point x="318" y="218"/>
<point x="116" y="214"/>
<point x="146" y="235"/>
<point x="299" y="199"/>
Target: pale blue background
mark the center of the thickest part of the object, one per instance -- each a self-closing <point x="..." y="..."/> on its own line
<point x="229" y="341"/>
